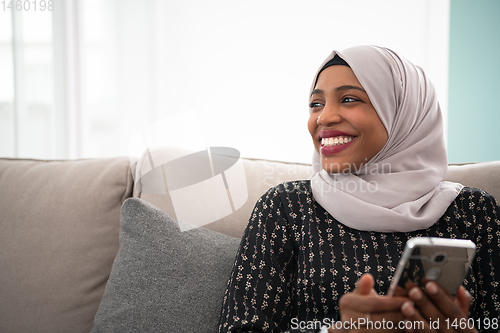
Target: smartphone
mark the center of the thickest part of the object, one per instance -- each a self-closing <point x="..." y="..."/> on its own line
<point x="443" y="260"/>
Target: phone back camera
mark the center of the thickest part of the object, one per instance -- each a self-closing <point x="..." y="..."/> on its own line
<point x="440" y="258"/>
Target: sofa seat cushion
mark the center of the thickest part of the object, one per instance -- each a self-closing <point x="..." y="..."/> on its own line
<point x="59" y="227"/>
<point x="165" y="280"/>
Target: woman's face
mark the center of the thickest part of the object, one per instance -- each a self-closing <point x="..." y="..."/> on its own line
<point x="350" y="132"/>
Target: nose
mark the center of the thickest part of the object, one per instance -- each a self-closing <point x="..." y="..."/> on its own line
<point x="329" y="116"/>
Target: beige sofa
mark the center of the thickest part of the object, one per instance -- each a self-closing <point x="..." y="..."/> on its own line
<point x="60" y="221"/>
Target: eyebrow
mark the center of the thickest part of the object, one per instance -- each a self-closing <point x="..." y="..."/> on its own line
<point x="341" y="88"/>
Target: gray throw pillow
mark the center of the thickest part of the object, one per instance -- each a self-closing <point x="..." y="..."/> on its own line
<point x="164" y="280"/>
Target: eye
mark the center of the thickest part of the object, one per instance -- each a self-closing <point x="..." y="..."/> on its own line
<point x="349" y="100"/>
<point x="313" y="105"/>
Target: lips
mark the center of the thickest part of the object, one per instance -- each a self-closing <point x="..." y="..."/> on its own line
<point x="334" y="141"/>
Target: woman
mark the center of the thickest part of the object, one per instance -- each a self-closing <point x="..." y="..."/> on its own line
<point x="379" y="165"/>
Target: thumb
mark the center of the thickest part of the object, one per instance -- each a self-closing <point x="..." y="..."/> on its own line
<point x="365" y="285"/>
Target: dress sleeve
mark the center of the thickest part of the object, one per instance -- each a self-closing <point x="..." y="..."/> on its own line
<point x="487" y="261"/>
<point x="259" y="294"/>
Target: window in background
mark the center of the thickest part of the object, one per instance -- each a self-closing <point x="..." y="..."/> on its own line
<point x="243" y="69"/>
<point x="7" y="118"/>
<point x="34" y="84"/>
<point x="100" y="71"/>
<point x="27" y="103"/>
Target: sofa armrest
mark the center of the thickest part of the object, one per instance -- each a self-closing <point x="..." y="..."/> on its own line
<point x="59" y="227"/>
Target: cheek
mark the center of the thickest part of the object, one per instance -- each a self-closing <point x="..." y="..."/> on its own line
<point x="377" y="134"/>
<point x="311" y="124"/>
<point x="383" y="138"/>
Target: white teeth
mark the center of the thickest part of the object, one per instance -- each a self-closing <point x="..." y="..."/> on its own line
<point x="328" y="142"/>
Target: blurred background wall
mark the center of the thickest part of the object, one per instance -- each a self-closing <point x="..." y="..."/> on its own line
<point x="474" y="81"/>
<point x="92" y="78"/>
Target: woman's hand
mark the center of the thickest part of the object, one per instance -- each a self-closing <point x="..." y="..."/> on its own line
<point x="364" y="306"/>
<point x="437" y="309"/>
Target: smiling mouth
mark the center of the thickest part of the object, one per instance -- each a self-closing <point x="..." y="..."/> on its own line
<point x="336" y="141"/>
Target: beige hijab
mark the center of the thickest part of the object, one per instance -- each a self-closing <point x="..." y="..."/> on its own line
<point x="401" y="188"/>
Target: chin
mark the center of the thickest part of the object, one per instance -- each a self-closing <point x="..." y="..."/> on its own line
<point x="331" y="167"/>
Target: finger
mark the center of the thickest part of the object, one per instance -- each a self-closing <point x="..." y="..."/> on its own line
<point x="445" y="303"/>
<point x="388" y="320"/>
<point x="357" y="303"/>
<point x="365" y="284"/>
<point x="463" y="300"/>
<point x="410" y="285"/>
<point x="426" y="307"/>
<point x="416" y="322"/>
<point x="400" y="291"/>
<point x="394" y="316"/>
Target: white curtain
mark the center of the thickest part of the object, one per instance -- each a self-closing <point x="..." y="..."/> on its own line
<point x="88" y="78"/>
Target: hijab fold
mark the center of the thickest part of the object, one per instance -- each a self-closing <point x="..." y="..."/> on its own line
<point x="401" y="188"/>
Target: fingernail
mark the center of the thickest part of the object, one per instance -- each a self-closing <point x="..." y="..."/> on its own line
<point x="408" y="309"/>
<point x="415" y="294"/>
<point x="431" y="288"/>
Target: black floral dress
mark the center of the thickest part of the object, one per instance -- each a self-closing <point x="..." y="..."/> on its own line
<point x="295" y="260"/>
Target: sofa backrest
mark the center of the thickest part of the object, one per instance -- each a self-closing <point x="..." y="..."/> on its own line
<point x="152" y="183"/>
<point x="484" y="175"/>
